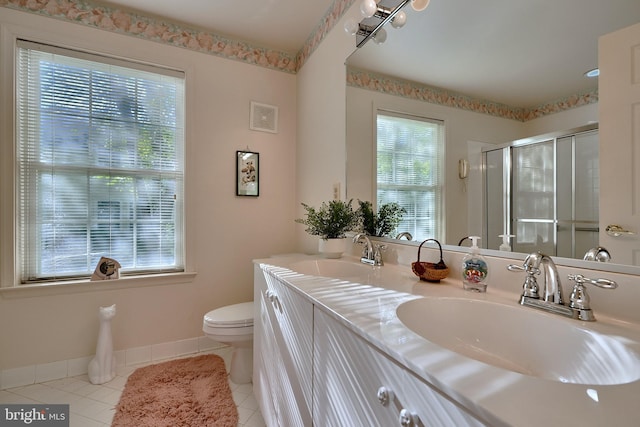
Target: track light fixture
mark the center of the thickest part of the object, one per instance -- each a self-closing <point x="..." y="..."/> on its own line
<point x="376" y="14"/>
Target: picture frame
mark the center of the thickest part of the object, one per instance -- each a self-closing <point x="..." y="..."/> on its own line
<point x="247" y="173"/>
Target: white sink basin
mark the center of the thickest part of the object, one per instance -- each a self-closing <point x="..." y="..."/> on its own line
<point x="332" y="268"/>
<point x="524" y="340"/>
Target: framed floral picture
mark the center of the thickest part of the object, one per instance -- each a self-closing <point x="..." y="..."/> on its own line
<point x="247" y="173"/>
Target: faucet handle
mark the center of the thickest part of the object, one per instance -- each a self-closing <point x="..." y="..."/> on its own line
<point x="580" y="300"/>
<point x="363" y="241"/>
<point x="530" y="269"/>
<point x="377" y="254"/>
<point x="530" y="287"/>
<point x="365" y="249"/>
<point x="601" y="283"/>
<point x="516" y="268"/>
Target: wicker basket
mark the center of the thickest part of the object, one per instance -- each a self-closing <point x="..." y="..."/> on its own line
<point x="428" y="271"/>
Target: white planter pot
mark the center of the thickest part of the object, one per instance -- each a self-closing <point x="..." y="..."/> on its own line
<point x="332" y="248"/>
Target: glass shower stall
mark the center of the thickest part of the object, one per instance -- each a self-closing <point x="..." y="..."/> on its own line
<point x="545" y="192"/>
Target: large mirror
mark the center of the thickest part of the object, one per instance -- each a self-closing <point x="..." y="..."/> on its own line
<point x="517" y="60"/>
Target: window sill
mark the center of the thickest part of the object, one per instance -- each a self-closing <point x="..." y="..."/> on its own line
<point x="78" y="286"/>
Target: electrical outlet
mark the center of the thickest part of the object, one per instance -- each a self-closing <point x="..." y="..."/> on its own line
<point x="336" y="191"/>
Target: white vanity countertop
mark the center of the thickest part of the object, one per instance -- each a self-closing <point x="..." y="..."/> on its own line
<point x="494" y="395"/>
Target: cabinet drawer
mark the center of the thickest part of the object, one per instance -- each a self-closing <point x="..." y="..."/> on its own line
<point x="357" y="385"/>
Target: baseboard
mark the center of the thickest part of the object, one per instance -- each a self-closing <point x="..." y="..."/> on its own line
<point x="18" y="377"/>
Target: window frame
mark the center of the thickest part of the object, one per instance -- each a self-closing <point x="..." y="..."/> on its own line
<point x="438" y="189"/>
<point x="9" y="266"/>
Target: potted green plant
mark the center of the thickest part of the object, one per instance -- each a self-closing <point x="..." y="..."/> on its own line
<point x="330" y="222"/>
<point x="384" y="222"/>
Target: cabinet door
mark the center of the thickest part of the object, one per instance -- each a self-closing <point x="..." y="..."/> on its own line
<point x="294" y="339"/>
<point x="352" y="380"/>
<point x="265" y="356"/>
<point x="431" y="407"/>
<point x="348" y="376"/>
<point x="282" y="352"/>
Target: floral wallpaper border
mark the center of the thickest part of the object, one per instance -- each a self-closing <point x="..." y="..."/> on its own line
<point x="407" y="89"/>
<point x="329" y="20"/>
<point x="132" y="24"/>
<point x="412" y="90"/>
<point x="564" y="104"/>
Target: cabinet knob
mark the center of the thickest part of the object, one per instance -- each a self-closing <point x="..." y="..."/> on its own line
<point x="270" y="295"/>
<point x="408" y="418"/>
<point x="384" y="396"/>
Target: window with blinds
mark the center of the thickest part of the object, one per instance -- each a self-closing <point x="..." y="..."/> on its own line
<point x="100" y="165"/>
<point x="410" y="170"/>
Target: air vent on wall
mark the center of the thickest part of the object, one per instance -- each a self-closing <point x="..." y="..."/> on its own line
<point x="264" y="117"/>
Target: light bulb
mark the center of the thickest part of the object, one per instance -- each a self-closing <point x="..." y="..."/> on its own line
<point x="592" y="73"/>
<point x="380" y="36"/>
<point x="351" y="26"/>
<point x="399" y="20"/>
<point x="419" y="5"/>
<point x="368" y="8"/>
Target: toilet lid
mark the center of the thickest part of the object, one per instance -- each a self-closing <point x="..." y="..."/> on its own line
<point x="231" y="316"/>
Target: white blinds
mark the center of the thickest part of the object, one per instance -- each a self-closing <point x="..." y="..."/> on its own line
<point x="100" y="164"/>
<point x="410" y="170"/>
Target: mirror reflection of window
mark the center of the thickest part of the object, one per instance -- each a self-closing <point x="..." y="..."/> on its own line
<point x="410" y="171"/>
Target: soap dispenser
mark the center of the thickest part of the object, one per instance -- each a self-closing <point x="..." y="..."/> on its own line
<point x="474" y="269"/>
<point x="506" y="246"/>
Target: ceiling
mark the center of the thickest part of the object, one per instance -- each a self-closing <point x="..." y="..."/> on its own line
<point x="277" y="24"/>
<point x="518" y="52"/>
<point x="522" y="53"/>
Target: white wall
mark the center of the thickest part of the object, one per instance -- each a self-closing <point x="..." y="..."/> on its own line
<point x="321" y="157"/>
<point x="565" y="120"/>
<point x="224" y="232"/>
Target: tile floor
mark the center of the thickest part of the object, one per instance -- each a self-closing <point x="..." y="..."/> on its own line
<point x="94" y="405"/>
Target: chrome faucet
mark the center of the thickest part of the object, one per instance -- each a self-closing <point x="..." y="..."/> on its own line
<point x="552" y="300"/>
<point x="553" y="288"/>
<point x="371" y="254"/>
<point x="404" y="234"/>
<point x="597" y="254"/>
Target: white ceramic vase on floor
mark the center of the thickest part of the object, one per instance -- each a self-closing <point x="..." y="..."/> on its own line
<point x="332" y="248"/>
<point x="102" y="367"/>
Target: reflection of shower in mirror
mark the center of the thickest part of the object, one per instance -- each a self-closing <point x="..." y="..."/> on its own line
<point x="544" y="190"/>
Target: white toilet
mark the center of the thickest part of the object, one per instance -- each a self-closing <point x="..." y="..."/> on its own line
<point x="233" y="325"/>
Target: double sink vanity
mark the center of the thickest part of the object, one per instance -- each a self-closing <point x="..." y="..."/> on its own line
<point x="341" y="343"/>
